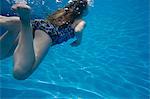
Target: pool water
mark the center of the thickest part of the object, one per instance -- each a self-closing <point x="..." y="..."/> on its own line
<point x="111" y="63"/>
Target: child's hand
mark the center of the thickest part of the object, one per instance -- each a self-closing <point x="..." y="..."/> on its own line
<point x="80" y="26"/>
<point x="75" y="43"/>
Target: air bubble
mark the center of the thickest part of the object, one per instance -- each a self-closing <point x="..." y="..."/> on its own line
<point x="7" y="14"/>
<point x="43" y="2"/>
<point x="63" y="22"/>
<point x="77" y="8"/>
<point x="66" y="9"/>
<point x="91" y="3"/>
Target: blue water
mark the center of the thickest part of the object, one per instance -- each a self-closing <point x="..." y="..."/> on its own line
<point x="111" y="63"/>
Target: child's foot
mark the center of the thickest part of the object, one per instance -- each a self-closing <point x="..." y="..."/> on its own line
<point x="23" y="10"/>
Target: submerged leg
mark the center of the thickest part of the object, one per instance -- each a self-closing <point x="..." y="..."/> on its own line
<point x="29" y="53"/>
<point x="24" y="56"/>
<point x="9" y="21"/>
<point x="8" y="39"/>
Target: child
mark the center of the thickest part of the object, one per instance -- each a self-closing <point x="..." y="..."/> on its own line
<point x="29" y="41"/>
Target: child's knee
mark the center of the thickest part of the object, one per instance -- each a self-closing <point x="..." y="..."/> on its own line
<point x="2" y="20"/>
<point x="9" y="21"/>
<point x="20" y="73"/>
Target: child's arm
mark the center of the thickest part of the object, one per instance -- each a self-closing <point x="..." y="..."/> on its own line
<point x="78" y="39"/>
<point x="79" y="26"/>
<point x="78" y="33"/>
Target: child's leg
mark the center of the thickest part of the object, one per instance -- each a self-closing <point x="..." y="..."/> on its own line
<point x="24" y="56"/>
<point x="29" y="53"/>
<point x="10" y="23"/>
<point x="7" y="40"/>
